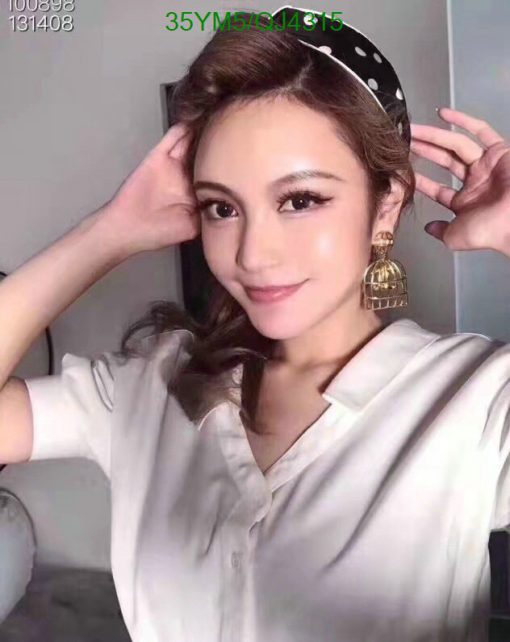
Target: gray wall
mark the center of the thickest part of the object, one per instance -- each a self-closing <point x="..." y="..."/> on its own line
<point x="78" y="112"/>
<point x="480" y="52"/>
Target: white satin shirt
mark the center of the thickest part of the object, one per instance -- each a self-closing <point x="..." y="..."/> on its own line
<point x="372" y="527"/>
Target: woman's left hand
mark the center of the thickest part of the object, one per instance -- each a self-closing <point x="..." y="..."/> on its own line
<point x="482" y="205"/>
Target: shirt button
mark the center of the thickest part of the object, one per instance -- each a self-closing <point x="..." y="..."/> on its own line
<point x="235" y="559"/>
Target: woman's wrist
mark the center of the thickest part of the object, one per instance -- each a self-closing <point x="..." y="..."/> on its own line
<point x="100" y="227"/>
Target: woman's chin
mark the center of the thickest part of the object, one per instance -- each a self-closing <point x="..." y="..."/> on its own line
<point x="277" y="329"/>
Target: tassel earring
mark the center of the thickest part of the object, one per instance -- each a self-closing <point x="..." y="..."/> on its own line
<point x="384" y="281"/>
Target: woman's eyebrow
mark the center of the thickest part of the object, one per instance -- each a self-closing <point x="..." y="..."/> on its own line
<point x="288" y="178"/>
<point x="305" y="173"/>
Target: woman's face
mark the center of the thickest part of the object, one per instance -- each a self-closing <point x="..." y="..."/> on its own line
<point x="260" y="227"/>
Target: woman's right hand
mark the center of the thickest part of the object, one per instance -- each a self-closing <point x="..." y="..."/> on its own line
<point x="155" y="206"/>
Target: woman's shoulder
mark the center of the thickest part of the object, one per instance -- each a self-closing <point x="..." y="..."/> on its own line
<point x="468" y="349"/>
<point x="448" y="338"/>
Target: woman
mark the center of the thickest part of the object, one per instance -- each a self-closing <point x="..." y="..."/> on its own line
<point x="353" y="496"/>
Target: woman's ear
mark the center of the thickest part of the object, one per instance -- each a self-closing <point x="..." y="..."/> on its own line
<point x="389" y="209"/>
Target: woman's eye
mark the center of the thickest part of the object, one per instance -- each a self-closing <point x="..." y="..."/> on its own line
<point x="222" y="209"/>
<point x="302" y="200"/>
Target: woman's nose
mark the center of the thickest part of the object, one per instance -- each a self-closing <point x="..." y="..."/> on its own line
<point x="261" y="245"/>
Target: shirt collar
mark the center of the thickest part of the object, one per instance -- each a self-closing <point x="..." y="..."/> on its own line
<point x="377" y="363"/>
<point x="372" y="367"/>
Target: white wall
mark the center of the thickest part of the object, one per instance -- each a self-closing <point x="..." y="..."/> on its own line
<point x="78" y="112"/>
<point x="480" y="51"/>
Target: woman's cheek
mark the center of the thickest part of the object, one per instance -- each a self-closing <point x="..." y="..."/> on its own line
<point x="338" y="251"/>
<point x="218" y="257"/>
<point x="327" y="246"/>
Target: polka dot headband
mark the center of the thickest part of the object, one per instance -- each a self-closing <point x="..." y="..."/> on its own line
<point x="356" y="53"/>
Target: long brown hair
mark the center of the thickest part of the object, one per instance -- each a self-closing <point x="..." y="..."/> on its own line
<point x="236" y="67"/>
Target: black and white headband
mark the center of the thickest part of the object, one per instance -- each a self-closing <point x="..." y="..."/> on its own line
<point x="356" y="53"/>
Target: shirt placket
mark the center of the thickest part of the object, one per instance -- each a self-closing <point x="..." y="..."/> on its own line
<point x="238" y="560"/>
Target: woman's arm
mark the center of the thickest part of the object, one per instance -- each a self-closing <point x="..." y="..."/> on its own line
<point x="35" y="294"/>
<point x="153" y="208"/>
<point x="30" y="299"/>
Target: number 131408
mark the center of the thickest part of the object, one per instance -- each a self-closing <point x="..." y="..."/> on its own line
<point x="56" y="15"/>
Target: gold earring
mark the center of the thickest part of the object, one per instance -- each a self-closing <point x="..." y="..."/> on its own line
<point x="384" y="280"/>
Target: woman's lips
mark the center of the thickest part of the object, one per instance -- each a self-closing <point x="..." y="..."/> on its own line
<point x="268" y="295"/>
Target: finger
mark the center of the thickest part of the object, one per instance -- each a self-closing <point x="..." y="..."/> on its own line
<point x="436" y="191"/>
<point x="171" y="138"/>
<point x="179" y="149"/>
<point x="442" y="157"/>
<point x="465" y="148"/>
<point x="480" y="128"/>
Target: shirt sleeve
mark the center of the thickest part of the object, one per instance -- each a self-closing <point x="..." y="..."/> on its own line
<point x="72" y="411"/>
